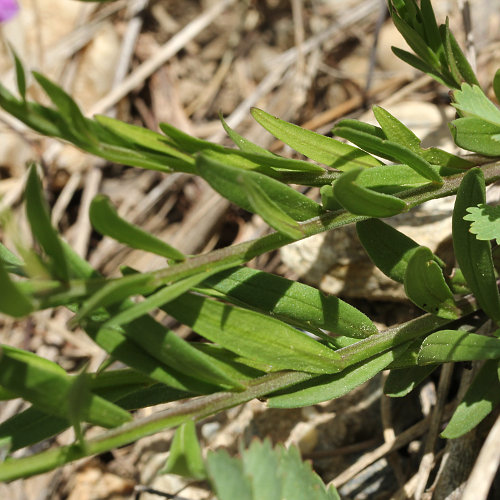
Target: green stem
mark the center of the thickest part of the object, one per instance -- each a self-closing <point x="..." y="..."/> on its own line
<point x="236" y="255"/>
<point x="204" y="406"/>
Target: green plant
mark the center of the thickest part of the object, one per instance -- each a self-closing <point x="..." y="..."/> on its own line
<point x="252" y="319"/>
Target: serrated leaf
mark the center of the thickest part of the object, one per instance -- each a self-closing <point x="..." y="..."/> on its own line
<point x="474" y="256"/>
<point x="485" y="222"/>
<point x="227" y="181"/>
<point x="254" y="335"/>
<point x="315" y="146"/>
<point x="362" y="201"/>
<point x="294" y="302"/>
<point x="400" y="383"/>
<point x="271" y="213"/>
<point x="37" y="211"/>
<point x="457" y="345"/>
<point x="475" y="134"/>
<point x="266" y="474"/>
<point x="106" y="220"/>
<point x="327" y="387"/>
<point x="227" y="477"/>
<point x="481" y="398"/>
<point x="472" y="101"/>
<point x="426" y="287"/>
<point x="185" y="457"/>
<point x="389" y="249"/>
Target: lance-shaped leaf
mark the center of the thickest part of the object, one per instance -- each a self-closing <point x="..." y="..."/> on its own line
<point x="70" y="112"/>
<point x="396" y="131"/>
<point x="457" y="345"/>
<point x="12" y="300"/>
<point x="186" y="142"/>
<point x="254" y="335"/>
<point x="315" y="146"/>
<point x="227" y="181"/>
<point x="142" y="137"/>
<point x="20" y="74"/>
<point x="37" y="211"/>
<point x="496" y="84"/>
<point x="106" y="220"/>
<point x="362" y="201"/>
<point x="426" y="287"/>
<point x="296" y="303"/>
<point x="11" y="262"/>
<point x="124" y="349"/>
<point x="481" y="398"/>
<point x="400" y="383"/>
<point x="270" y="211"/>
<point x="473" y="255"/>
<point x="243" y="143"/>
<point x="389" y="249"/>
<point x="47" y="386"/>
<point x="390" y="150"/>
<point x="476" y="134"/>
<point x="327" y="387"/>
<point x="185" y="458"/>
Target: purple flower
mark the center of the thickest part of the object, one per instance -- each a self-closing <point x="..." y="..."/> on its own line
<point x="8" y="9"/>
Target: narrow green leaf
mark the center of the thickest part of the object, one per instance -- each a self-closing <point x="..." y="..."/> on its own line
<point x="47" y="386"/>
<point x="462" y="63"/>
<point x="417" y="63"/>
<point x="315" y="146"/>
<point x="426" y="287"/>
<point x="390" y="150"/>
<point x="69" y="110"/>
<point x="20" y="74"/>
<point x="472" y="101"/>
<point x="243" y="143"/>
<point x="448" y="52"/>
<point x="430" y="26"/>
<point x="389" y="249"/>
<point x="254" y="335"/>
<point x="270" y="211"/>
<point x="12" y="300"/>
<point x="121" y="348"/>
<point x="185" y="457"/>
<point x="496" y="85"/>
<point x="475" y="134"/>
<point x="141" y="136"/>
<point x="294" y="302"/>
<point x="362" y="201"/>
<point x="37" y="211"/>
<point x="474" y="256"/>
<point x="400" y="383"/>
<point x="227" y="181"/>
<point x="416" y="42"/>
<point x="106" y="220"/>
<point x="396" y="131"/>
<point x="186" y="142"/>
<point x="11" y="262"/>
<point x="457" y="345"/>
<point x="481" y="398"/>
<point x="327" y="387"/>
